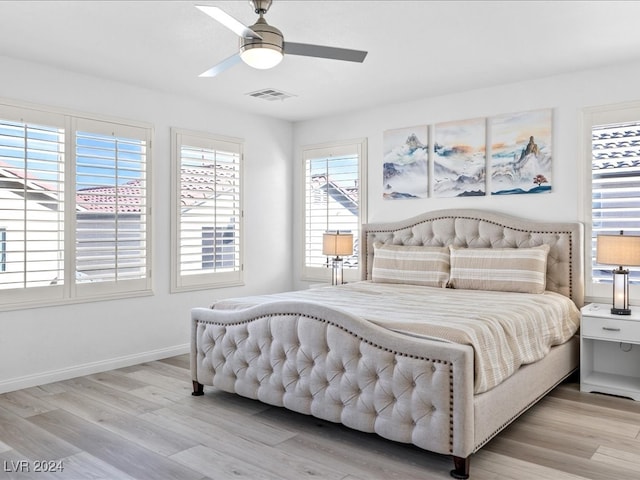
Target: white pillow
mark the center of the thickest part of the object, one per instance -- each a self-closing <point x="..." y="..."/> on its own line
<point x="502" y="269"/>
<point x="413" y="265"/>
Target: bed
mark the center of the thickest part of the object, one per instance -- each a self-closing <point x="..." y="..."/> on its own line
<point x="407" y="352"/>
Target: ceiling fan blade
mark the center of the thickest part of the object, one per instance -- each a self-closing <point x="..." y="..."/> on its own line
<point x="308" y="50"/>
<point x="222" y="66"/>
<point x="228" y="21"/>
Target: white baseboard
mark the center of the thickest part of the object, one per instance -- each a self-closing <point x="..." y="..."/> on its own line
<point x="90" y="368"/>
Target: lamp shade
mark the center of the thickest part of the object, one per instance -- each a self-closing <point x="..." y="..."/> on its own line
<point x="621" y="250"/>
<point x="337" y="244"/>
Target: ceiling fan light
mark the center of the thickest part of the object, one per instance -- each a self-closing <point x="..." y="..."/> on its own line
<point x="261" y="57"/>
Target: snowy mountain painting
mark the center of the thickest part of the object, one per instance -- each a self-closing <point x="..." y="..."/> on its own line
<point x="460" y="158"/>
<point x="521" y="152"/>
<point x="406" y="167"/>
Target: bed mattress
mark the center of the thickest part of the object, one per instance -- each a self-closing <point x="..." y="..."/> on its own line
<point x="505" y="329"/>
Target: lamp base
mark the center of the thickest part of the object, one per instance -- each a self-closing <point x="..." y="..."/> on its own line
<point x="621" y="311"/>
<point x="336" y="272"/>
<point x="620" y="304"/>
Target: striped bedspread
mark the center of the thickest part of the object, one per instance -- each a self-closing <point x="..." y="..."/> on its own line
<point x="506" y="330"/>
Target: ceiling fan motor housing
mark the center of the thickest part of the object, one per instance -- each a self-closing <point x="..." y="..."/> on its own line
<point x="272" y="38"/>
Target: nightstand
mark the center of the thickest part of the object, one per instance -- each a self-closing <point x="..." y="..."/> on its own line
<point x="610" y="351"/>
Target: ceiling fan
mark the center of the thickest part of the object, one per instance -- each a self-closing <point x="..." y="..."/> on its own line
<point x="263" y="46"/>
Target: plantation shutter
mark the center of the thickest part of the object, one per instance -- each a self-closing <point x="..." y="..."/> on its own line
<point x="332" y="201"/>
<point x="112" y="207"/>
<point x="208" y="211"/>
<point x="32" y="203"/>
<point x="615" y="188"/>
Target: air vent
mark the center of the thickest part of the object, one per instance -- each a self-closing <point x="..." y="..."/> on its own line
<point x="271" y="94"/>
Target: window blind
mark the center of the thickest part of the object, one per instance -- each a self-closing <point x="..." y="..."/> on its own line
<point x="332" y="201"/>
<point x="75" y="219"/>
<point x="111" y="208"/>
<point x="209" y="211"/>
<point x="615" y="178"/>
<point x="32" y="196"/>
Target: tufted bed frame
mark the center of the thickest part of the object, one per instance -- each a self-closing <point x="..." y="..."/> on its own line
<point x="460" y="422"/>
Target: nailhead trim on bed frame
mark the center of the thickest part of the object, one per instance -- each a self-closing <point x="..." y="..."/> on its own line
<point x="333" y="324"/>
<point x="360" y="338"/>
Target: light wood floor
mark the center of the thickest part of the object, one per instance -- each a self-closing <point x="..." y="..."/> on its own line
<point x="141" y="422"/>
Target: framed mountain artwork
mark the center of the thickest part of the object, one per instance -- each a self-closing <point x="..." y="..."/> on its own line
<point x="460" y="160"/>
<point x="405" y="164"/>
<point x="521" y="156"/>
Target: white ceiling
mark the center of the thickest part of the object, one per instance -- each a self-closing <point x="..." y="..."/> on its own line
<point x="416" y="48"/>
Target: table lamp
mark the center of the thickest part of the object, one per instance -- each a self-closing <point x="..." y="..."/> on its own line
<point x="621" y="250"/>
<point x="336" y="245"/>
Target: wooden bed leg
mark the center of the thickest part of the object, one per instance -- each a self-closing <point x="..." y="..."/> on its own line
<point x="461" y="467"/>
<point x="198" y="389"/>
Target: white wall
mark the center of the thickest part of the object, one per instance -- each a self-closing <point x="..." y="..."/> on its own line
<point x="40" y="345"/>
<point x="566" y="94"/>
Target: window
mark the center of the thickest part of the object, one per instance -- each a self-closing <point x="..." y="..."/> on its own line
<point x="334" y="200"/>
<point x="75" y="208"/>
<point x="32" y="193"/>
<point x="613" y="150"/>
<point x="111" y="204"/>
<point x="207" y="211"/>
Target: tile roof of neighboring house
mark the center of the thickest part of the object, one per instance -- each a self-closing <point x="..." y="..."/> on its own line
<point x="35" y="189"/>
<point x="345" y="196"/>
<point x="127" y="198"/>
<point x="197" y="184"/>
<point x="9" y="171"/>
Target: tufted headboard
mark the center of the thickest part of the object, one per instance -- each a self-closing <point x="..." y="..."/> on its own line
<point x="483" y="229"/>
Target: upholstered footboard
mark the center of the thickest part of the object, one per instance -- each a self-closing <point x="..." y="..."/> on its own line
<point x="337" y="367"/>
